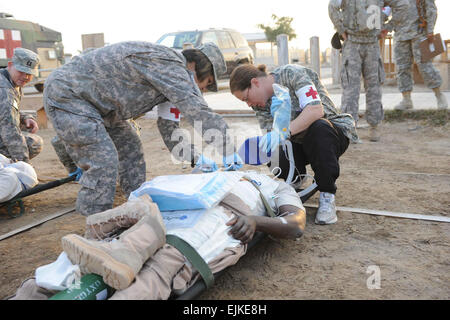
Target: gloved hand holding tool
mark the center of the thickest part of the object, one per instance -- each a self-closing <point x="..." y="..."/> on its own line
<point x="281" y="113"/>
<point x="77" y="173"/>
<point x="205" y="164"/>
<point x="232" y="162"/>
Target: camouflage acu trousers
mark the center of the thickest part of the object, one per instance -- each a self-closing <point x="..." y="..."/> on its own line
<point x="65" y="158"/>
<point x="34" y="144"/>
<point x="404" y="53"/>
<point x="104" y="150"/>
<point x="357" y="59"/>
<point x="62" y="154"/>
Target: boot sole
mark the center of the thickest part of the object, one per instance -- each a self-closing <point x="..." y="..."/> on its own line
<point x="322" y="222"/>
<point x="93" y="260"/>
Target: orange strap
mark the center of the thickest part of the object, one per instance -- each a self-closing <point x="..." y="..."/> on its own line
<point x="421" y="11"/>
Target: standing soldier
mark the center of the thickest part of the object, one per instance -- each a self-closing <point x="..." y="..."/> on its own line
<point x="15" y="144"/>
<point x="419" y="25"/>
<point x="90" y="99"/>
<point x="359" y="24"/>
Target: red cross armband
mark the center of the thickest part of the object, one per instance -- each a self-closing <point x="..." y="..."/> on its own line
<point x="307" y="95"/>
<point x="168" y="111"/>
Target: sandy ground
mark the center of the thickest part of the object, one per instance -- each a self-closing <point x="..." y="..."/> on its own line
<point x="408" y="171"/>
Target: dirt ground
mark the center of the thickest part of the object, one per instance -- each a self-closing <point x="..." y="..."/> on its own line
<point x="407" y="171"/>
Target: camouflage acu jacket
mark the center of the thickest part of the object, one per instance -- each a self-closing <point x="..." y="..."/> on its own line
<point x="130" y="78"/>
<point x="295" y="77"/>
<point x="409" y="29"/>
<point x="362" y="19"/>
<point x="10" y="119"/>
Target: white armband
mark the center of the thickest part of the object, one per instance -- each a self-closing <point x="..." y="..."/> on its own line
<point x="306" y="95"/>
<point x="168" y="111"/>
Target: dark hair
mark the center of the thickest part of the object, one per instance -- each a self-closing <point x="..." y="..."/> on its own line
<point x="241" y="77"/>
<point x="203" y="66"/>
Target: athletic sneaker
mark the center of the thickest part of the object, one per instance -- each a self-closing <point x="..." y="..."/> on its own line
<point x="326" y="214"/>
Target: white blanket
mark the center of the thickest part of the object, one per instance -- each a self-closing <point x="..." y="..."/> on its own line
<point x="15" y="177"/>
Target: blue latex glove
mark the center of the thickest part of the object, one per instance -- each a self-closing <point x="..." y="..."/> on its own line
<point x="281" y="111"/>
<point x="269" y="142"/>
<point x="232" y="162"/>
<point x="205" y="164"/>
<point x="78" y="173"/>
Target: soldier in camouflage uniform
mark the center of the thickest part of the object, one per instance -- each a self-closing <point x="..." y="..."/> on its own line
<point x="407" y="38"/>
<point x="90" y="99"/>
<point x="359" y="23"/>
<point x="15" y="144"/>
<point x="319" y="133"/>
<point x="65" y="158"/>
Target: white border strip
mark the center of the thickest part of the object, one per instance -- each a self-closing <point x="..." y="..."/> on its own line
<point x="35" y="224"/>
<point x="390" y="214"/>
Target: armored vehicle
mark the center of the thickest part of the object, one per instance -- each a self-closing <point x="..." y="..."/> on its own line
<point x="45" y="42"/>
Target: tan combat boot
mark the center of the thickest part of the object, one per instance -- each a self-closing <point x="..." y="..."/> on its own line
<point x="406" y="102"/>
<point x="374" y="133"/>
<point x="441" y="99"/>
<point x="118" y="261"/>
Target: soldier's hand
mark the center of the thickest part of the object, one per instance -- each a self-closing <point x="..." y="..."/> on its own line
<point x="32" y="125"/>
<point x="430" y="37"/>
<point x="344" y="36"/>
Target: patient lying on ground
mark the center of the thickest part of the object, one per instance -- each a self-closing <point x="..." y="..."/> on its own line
<point x="140" y="264"/>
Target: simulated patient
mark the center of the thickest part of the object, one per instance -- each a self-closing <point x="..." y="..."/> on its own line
<point x="138" y="262"/>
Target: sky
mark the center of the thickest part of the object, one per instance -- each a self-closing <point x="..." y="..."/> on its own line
<point x="148" y="20"/>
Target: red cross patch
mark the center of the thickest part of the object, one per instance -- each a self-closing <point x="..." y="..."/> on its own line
<point x="9" y="40"/>
<point x="312" y="93"/>
<point x="168" y="111"/>
<point x="306" y="95"/>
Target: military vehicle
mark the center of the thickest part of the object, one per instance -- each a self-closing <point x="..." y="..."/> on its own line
<point x="45" y="42"/>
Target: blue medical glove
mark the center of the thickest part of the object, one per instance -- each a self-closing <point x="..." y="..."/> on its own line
<point x="281" y="111"/>
<point x="77" y="173"/>
<point x="232" y="162"/>
<point x="269" y="142"/>
<point x="205" y="164"/>
<point x="275" y="105"/>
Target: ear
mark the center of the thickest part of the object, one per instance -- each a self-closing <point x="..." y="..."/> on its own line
<point x="255" y="82"/>
<point x="10" y="64"/>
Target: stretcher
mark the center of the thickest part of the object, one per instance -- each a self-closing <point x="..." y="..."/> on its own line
<point x="207" y="278"/>
<point x="305" y="193"/>
<point x="16" y="204"/>
<point x="91" y="281"/>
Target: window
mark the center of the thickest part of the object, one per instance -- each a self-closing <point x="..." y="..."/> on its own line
<point x="210" y="36"/>
<point x="167" y="41"/>
<point x="16" y="35"/>
<point x="176" y="40"/>
<point x="2" y="35"/>
<point x="225" y="40"/>
<point x="239" y="40"/>
<point x="51" y="54"/>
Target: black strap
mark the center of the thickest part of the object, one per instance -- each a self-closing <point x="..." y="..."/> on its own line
<point x="193" y="257"/>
